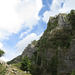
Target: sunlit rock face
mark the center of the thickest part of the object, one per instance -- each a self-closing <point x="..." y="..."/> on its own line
<point x="29" y="50"/>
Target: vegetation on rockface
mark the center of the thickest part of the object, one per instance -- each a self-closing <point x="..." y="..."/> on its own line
<point x="54" y="64"/>
<point x="45" y="58"/>
<point x="52" y="25"/>
<point x="72" y="18"/>
<point x="34" y="42"/>
<point x="36" y="70"/>
<point x="59" y="38"/>
<point x="73" y="72"/>
<point x="62" y="38"/>
<point x="1" y="53"/>
<point x="25" y="64"/>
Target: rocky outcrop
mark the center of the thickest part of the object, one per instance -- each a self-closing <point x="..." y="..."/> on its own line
<point x="28" y="51"/>
<point x="57" y="45"/>
<point x="67" y="60"/>
<point x="62" y="21"/>
<point x="55" y="51"/>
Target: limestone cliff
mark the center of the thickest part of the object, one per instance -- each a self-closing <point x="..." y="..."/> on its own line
<point x="54" y="53"/>
<point x="28" y="51"/>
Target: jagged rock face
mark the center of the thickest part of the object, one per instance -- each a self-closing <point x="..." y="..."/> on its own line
<point x="62" y="21"/>
<point x="67" y="60"/>
<point x="70" y="56"/>
<point x="58" y="38"/>
<point x="29" y="50"/>
<point x="56" y="48"/>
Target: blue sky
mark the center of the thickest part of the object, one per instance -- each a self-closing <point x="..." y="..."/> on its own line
<point x="22" y="21"/>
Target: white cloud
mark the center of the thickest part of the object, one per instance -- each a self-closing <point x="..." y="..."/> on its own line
<point x="8" y="18"/>
<point x="13" y="13"/>
<point x="1" y="45"/>
<point x="26" y="32"/>
<point x="68" y="5"/>
<point x="27" y="40"/>
<point x="28" y="11"/>
<point x="3" y="59"/>
<point x="16" y="15"/>
<point x="9" y="55"/>
<point x="56" y="8"/>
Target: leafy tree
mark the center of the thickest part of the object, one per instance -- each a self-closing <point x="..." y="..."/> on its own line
<point x="1" y="53"/>
<point x="25" y="64"/>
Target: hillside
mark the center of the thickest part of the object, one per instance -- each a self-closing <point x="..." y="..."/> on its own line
<point x="28" y="51"/>
<point x="10" y="69"/>
<point x="54" y="53"/>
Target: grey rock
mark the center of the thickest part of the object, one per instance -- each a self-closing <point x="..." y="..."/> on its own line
<point x="15" y="70"/>
<point x="29" y="50"/>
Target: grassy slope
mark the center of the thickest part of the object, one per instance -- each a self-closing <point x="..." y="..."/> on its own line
<point x="4" y="71"/>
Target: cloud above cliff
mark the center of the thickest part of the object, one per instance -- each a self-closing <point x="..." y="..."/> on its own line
<point x="22" y="21"/>
<point x="58" y="6"/>
<point x="18" y="14"/>
<point x="1" y="45"/>
<point x="22" y="44"/>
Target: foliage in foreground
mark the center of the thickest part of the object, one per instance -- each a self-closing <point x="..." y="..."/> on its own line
<point x="2" y="70"/>
<point x="25" y="64"/>
<point x="1" y="52"/>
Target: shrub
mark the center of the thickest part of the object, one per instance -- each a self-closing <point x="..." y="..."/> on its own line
<point x="1" y="53"/>
<point x="25" y="64"/>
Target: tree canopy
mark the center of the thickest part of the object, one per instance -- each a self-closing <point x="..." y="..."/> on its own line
<point x="25" y="64"/>
<point x="1" y="52"/>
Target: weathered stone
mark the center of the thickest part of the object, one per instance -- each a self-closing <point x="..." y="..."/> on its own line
<point x="25" y="71"/>
<point x="15" y="70"/>
<point x="65" y="56"/>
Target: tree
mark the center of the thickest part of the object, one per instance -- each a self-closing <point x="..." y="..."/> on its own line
<point x="25" y="64"/>
<point x="1" y="53"/>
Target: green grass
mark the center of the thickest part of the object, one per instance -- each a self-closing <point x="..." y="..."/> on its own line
<point x="73" y="72"/>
